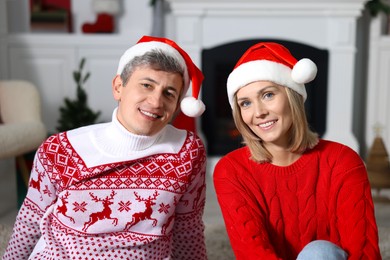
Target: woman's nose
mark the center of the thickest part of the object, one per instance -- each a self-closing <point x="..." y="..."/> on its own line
<point x="260" y="110"/>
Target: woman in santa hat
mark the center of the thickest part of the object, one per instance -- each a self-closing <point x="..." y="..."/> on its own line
<point x="287" y="194"/>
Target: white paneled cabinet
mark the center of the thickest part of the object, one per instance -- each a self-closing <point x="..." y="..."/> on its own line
<point x="49" y="63"/>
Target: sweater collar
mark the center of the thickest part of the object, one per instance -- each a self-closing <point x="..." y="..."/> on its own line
<point x="117" y="140"/>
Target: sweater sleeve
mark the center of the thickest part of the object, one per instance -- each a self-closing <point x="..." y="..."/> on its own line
<point x="26" y="231"/>
<point x="188" y="229"/>
<point x="354" y="209"/>
<point x="245" y="223"/>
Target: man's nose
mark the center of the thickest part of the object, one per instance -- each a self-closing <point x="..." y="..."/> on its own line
<point x="156" y="99"/>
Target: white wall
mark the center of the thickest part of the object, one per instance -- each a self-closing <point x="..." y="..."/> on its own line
<point x="3" y="32"/>
<point x="18" y="15"/>
<point x="3" y="17"/>
<point x="135" y="16"/>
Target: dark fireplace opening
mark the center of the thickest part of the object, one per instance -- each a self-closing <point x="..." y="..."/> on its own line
<point x="217" y="122"/>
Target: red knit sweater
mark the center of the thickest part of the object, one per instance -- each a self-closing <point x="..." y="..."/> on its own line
<point x="272" y="212"/>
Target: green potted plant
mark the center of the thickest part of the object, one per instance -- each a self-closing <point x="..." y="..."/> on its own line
<point x="76" y="113"/>
<point x="377" y="6"/>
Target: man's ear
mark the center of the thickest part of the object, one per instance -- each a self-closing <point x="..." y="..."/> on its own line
<point x="117" y="87"/>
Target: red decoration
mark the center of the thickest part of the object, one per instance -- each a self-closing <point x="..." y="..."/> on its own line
<point x="104" y="24"/>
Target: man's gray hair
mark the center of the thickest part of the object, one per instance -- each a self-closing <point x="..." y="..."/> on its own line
<point x="155" y="59"/>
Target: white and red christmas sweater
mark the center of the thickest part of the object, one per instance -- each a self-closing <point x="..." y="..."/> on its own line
<point x="100" y="192"/>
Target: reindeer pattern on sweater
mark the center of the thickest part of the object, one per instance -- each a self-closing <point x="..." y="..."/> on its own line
<point x="146" y="208"/>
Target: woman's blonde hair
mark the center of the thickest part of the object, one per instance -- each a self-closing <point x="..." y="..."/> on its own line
<point x="301" y="136"/>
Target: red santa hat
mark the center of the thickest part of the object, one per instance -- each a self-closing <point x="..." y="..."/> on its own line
<point x="271" y="61"/>
<point x="190" y="106"/>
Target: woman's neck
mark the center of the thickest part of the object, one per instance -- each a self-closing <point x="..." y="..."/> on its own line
<point x="281" y="156"/>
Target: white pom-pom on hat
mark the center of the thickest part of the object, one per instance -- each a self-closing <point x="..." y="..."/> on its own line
<point x="192" y="107"/>
<point x="304" y="71"/>
<point x="270" y="61"/>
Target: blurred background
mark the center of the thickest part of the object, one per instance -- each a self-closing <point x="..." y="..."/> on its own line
<point x="44" y="43"/>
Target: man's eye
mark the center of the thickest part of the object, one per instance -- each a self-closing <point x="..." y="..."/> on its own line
<point x="171" y="94"/>
<point x="146" y="85"/>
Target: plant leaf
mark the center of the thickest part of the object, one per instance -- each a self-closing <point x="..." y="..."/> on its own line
<point x="86" y="77"/>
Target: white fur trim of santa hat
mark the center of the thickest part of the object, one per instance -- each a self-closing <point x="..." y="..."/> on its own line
<point x="141" y="48"/>
<point x="303" y="72"/>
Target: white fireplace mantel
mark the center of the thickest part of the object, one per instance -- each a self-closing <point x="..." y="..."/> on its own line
<point x="267" y="8"/>
<point x="330" y="25"/>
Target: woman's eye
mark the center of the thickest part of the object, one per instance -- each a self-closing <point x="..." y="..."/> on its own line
<point x="244" y="103"/>
<point x="268" y="95"/>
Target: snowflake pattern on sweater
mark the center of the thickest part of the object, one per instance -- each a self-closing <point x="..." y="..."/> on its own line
<point x="148" y="208"/>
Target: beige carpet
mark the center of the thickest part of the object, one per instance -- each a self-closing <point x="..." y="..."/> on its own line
<point x="5" y="232"/>
<point x="217" y="243"/>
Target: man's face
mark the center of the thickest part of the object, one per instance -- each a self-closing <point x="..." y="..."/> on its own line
<point x="148" y="101"/>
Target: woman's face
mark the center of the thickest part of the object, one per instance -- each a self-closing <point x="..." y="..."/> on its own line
<point x="265" y="108"/>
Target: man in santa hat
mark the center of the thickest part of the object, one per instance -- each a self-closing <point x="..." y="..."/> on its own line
<point x="133" y="188"/>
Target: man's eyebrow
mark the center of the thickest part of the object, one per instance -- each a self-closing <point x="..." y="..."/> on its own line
<point x="171" y="88"/>
<point x="156" y="82"/>
<point x="149" y="79"/>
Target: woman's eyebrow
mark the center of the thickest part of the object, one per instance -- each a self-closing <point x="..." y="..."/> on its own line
<point x="260" y="91"/>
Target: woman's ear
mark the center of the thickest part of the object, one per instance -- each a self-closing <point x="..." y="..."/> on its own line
<point x="117" y="87"/>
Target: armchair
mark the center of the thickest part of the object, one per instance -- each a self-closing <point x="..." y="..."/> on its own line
<point x="21" y="126"/>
